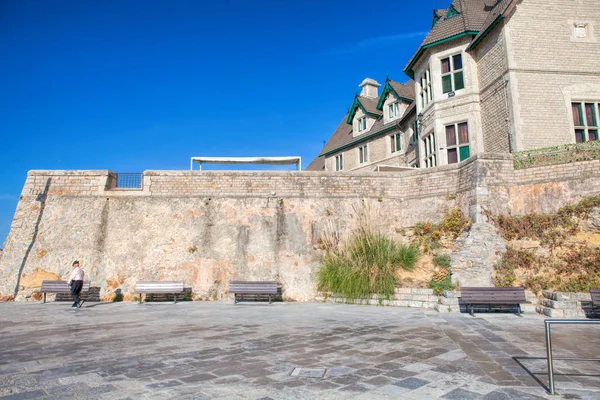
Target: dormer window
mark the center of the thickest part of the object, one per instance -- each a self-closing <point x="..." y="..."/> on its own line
<point x="452" y="74"/>
<point x="393" y="109"/>
<point x="362" y="124"/>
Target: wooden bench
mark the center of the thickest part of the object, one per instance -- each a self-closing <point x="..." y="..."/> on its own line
<point x="595" y="293"/>
<point x="252" y="288"/>
<point x="504" y="296"/>
<point x="60" y="287"/>
<point x="159" y="287"/>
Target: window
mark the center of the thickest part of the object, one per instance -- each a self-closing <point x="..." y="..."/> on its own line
<point x="415" y="135"/>
<point x="339" y="162"/>
<point x="363" y="154"/>
<point x="429" y="144"/>
<point x="393" y="110"/>
<point x="457" y="142"/>
<point x="395" y="142"/>
<point x="425" y="88"/>
<point x="452" y="74"/>
<point x="362" y="124"/>
<point x="585" y="121"/>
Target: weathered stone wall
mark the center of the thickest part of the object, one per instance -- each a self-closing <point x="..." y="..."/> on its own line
<point x="209" y="227"/>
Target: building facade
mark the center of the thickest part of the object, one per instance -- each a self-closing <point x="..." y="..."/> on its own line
<point x="491" y="76"/>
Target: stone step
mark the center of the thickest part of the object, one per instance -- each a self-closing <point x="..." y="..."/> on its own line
<point x="560" y="304"/>
<point x="413" y="291"/>
<point x="561" y="296"/>
<point x="451" y="294"/>
<point x="559" y="313"/>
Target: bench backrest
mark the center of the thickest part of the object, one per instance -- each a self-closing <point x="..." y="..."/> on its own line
<point x="61" y="287"/>
<point x="253" y="287"/>
<point x="504" y="295"/>
<point x="595" y="297"/>
<point x="168" y="287"/>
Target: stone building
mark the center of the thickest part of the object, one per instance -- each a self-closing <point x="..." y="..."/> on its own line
<point x="491" y="76"/>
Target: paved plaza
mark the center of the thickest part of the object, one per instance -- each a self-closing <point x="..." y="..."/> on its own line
<point x="208" y="350"/>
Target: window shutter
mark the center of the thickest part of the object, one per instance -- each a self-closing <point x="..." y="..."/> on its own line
<point x="446" y="83"/>
<point x="464" y="153"/>
<point x="459" y="82"/>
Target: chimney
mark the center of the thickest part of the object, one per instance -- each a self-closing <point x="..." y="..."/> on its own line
<point x="370" y="88"/>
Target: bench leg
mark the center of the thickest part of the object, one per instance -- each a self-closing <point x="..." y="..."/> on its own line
<point x="44" y="298"/>
<point x="269" y="299"/>
<point x="174" y="298"/>
<point x="141" y="294"/>
<point x="235" y="298"/>
<point x="519" y="310"/>
<point x="472" y="313"/>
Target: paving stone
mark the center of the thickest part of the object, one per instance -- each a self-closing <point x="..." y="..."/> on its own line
<point x="215" y="350"/>
<point x="411" y="383"/>
<point x="461" y="394"/>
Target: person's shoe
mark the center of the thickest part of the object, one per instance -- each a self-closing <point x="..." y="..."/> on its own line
<point x="74" y="305"/>
<point x="80" y="304"/>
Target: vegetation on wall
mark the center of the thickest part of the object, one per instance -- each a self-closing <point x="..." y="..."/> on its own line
<point x="428" y="235"/>
<point x="367" y="263"/>
<point x="364" y="265"/>
<point x="563" y="261"/>
<point x="442" y="277"/>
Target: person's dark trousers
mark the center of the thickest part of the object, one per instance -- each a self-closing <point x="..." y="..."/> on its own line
<point x="76" y="287"/>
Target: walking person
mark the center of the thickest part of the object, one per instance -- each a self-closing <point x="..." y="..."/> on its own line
<point x="76" y="284"/>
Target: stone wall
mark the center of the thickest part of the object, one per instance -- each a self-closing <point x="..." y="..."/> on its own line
<point x="209" y="227"/>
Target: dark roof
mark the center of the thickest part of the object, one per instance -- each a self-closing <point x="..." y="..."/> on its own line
<point x="462" y="17"/>
<point x="318" y="164"/>
<point x="406" y="90"/>
<point x="342" y="136"/>
<point x="497" y="9"/>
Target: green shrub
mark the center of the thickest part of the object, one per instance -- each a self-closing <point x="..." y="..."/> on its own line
<point x="364" y="266"/>
<point x="439" y="286"/>
<point x="442" y="260"/>
<point x="117" y="297"/>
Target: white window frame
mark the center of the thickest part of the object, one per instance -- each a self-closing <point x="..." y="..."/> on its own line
<point x="339" y="162"/>
<point x="457" y="146"/>
<point x="395" y="142"/>
<point x="586" y="127"/>
<point x="425" y="92"/>
<point x="452" y="72"/>
<point x="361" y="124"/>
<point x="393" y="110"/>
<point x="430" y="151"/>
<point x="363" y="154"/>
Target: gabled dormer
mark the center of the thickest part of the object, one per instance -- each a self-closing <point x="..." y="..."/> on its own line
<point x="364" y="112"/>
<point x="437" y="15"/>
<point x="395" y="99"/>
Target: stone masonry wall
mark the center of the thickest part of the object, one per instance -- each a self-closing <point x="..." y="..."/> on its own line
<point x="209" y="227"/>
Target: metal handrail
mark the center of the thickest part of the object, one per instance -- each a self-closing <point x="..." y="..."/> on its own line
<point x="551" y="359"/>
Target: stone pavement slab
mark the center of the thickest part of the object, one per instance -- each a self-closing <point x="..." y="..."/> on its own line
<point x="207" y="350"/>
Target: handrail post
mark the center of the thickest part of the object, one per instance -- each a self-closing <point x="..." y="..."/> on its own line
<point x="549" y="357"/>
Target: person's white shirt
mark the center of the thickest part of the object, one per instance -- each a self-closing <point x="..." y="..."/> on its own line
<point x="76" y="275"/>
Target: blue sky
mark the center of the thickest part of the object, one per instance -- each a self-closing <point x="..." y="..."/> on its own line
<point x="135" y="85"/>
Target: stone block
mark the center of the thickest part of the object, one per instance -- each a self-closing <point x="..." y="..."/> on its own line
<point x="451" y="294"/>
<point x="559" y="296"/>
<point x="422" y="291"/>
<point x="449" y="302"/>
<point x="562" y="304"/>
<point x="550" y="312"/>
<point x="403" y="290"/>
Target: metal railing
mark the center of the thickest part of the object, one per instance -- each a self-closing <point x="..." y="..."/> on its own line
<point x="551" y="359"/>
<point x="129" y="180"/>
<point x="567" y="153"/>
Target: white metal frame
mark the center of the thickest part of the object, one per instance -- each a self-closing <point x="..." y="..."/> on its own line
<point x="247" y="160"/>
